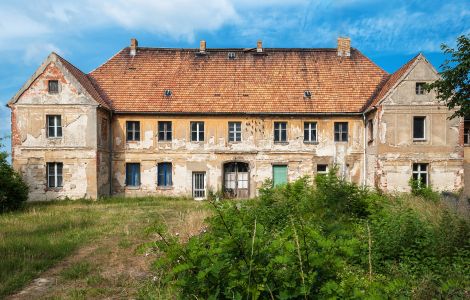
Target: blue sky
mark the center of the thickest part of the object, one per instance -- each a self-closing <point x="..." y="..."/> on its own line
<point x="88" y="32"/>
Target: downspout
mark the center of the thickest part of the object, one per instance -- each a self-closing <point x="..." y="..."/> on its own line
<point x="364" y="171"/>
<point x="110" y="145"/>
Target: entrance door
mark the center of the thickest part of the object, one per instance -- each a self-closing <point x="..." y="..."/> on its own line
<point x="236" y="180"/>
<point x="279" y="174"/>
<point x="199" y="185"/>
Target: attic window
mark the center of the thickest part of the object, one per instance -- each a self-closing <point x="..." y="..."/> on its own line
<point x="168" y="93"/>
<point x="53" y="86"/>
<point x="231" y="55"/>
<point x="307" y="94"/>
<point x="420" y="88"/>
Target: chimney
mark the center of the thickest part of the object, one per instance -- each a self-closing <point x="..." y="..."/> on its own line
<point x="259" y="46"/>
<point x="344" y="46"/>
<point x="134" y="45"/>
<point x="202" y="46"/>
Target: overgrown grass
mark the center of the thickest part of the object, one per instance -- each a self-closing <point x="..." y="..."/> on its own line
<point x="33" y="240"/>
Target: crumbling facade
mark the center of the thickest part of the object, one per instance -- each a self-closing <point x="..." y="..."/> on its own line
<point x="157" y="121"/>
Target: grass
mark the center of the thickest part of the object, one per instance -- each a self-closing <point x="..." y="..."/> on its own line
<point x="43" y="234"/>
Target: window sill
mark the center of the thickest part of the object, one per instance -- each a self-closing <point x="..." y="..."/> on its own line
<point x="197" y="142"/>
<point x="54" y="137"/>
<point x="165" y="141"/>
<point x="132" y="187"/>
<point x="132" y="142"/>
<point x="419" y="140"/>
<point x="311" y="143"/>
<point x="234" y="142"/>
<point x="281" y="143"/>
<point x="164" y="188"/>
<point x="466" y="145"/>
<point x="55" y="189"/>
<point x="341" y="142"/>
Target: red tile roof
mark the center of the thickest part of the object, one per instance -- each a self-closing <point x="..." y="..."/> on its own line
<point x="272" y="82"/>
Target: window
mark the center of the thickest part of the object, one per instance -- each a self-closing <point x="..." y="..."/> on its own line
<point x="133" y="130"/>
<point x="197" y="131"/>
<point x="234" y="131"/>
<point x="280" y="132"/>
<point x="54" y="175"/>
<point x="466" y="132"/>
<point x="419" y="128"/>
<point x="199" y="185"/>
<point x="341" y="131"/>
<point x="322" y="169"/>
<point x="310" y="132"/>
<point x="370" y="128"/>
<point x="133" y="174"/>
<point x="420" y="173"/>
<point x="53" y="86"/>
<point x="103" y="132"/>
<point x="420" y="88"/>
<point x="164" y="174"/>
<point x="279" y="174"/>
<point x="54" y="126"/>
<point x="164" y="131"/>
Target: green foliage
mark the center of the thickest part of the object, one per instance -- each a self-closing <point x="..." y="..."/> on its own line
<point x="13" y="190"/>
<point x="454" y="85"/>
<point x="303" y="240"/>
<point x="421" y="190"/>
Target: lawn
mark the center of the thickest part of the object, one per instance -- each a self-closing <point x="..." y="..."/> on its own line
<point x="87" y="249"/>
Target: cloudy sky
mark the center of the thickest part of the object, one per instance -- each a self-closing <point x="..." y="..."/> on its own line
<point x="88" y="32"/>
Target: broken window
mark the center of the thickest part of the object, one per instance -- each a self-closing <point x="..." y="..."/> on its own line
<point x="370" y="127"/>
<point x="466" y="133"/>
<point x="164" y="131"/>
<point x="322" y="169"/>
<point x="310" y="132"/>
<point x="54" y="175"/>
<point x="419" y="128"/>
<point x="133" y="130"/>
<point x="133" y="174"/>
<point x="341" y="131"/>
<point x="53" y="86"/>
<point x="420" y="173"/>
<point x="197" y="131"/>
<point x="234" y="131"/>
<point x="54" y="126"/>
<point x="280" y="132"/>
<point x="236" y="179"/>
<point x="420" y="88"/>
<point x="164" y="174"/>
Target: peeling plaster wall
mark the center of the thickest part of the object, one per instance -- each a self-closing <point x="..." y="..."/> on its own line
<point x="397" y="151"/>
<point x="76" y="149"/>
<point x="257" y="148"/>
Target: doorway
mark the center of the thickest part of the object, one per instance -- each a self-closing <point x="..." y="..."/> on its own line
<point x="236" y="180"/>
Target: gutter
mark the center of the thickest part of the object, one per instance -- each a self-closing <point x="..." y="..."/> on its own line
<point x="237" y="113"/>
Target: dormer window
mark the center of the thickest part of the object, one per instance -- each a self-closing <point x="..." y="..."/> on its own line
<point x="168" y="93"/>
<point x="420" y="88"/>
<point x="231" y="55"/>
<point x="307" y="94"/>
<point x="53" y="86"/>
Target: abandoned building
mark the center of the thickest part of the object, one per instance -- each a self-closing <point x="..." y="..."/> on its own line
<point x="159" y="121"/>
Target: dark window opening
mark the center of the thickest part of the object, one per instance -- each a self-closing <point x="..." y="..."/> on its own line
<point x="234" y="131"/>
<point x="341" y="131"/>
<point x="133" y="130"/>
<point x="197" y="131"/>
<point x="420" y="173"/>
<point x="322" y="169"/>
<point x="168" y="93"/>
<point x="419" y="128"/>
<point x="310" y="132"/>
<point x="54" y="126"/>
<point x="420" y="88"/>
<point x="53" y="86"/>
<point x="370" y="127"/>
<point x="54" y="175"/>
<point x="164" y="174"/>
<point x="133" y="174"/>
<point x="280" y="132"/>
<point x="164" y="131"/>
<point x="466" y="132"/>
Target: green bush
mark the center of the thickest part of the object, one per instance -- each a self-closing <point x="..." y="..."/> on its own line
<point x="13" y="190"/>
<point x="422" y="190"/>
<point x="331" y="239"/>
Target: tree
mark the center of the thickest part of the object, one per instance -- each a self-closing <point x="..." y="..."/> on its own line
<point x="453" y="87"/>
<point x="13" y="190"/>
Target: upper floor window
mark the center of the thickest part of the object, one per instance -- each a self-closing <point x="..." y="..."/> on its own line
<point x="280" y="131"/>
<point x="197" y="131"/>
<point x="341" y="131"/>
<point x="133" y="174"/>
<point x="370" y="130"/>
<point x="132" y="130"/>
<point x="164" y="174"/>
<point x="419" y="128"/>
<point x="310" y="132"/>
<point x="234" y="131"/>
<point x="420" y="173"/>
<point x="53" y="86"/>
<point x="466" y="132"/>
<point x="54" y="126"/>
<point x="164" y="131"/>
<point x="54" y="175"/>
<point x="420" y="88"/>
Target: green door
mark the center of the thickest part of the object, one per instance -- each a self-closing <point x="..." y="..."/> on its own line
<point x="279" y="174"/>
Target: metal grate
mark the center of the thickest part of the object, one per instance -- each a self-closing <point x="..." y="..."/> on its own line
<point x="199" y="185"/>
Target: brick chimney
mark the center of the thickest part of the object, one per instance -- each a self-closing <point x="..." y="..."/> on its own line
<point x="202" y="46"/>
<point x="344" y="46"/>
<point x="134" y="45"/>
<point x="259" y="46"/>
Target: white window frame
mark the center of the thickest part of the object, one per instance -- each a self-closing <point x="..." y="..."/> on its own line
<point x="424" y="128"/>
<point x="199" y="178"/>
<point x="55" y="127"/>
<point x="133" y="130"/>
<point x="340" y="132"/>
<point x="55" y="175"/>
<point x="312" y="126"/>
<point x="419" y="88"/>
<point x="236" y="132"/>
<point x="165" y="131"/>
<point x="198" y="131"/>
<point x="419" y="171"/>
<point x="280" y="130"/>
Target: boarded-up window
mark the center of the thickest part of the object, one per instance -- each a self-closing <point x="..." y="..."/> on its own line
<point x="133" y="174"/>
<point x="164" y="174"/>
<point x="279" y="174"/>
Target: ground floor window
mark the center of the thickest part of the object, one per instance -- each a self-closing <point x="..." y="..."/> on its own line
<point x="164" y="174"/>
<point x="236" y="179"/>
<point x="199" y="185"/>
<point x="54" y="174"/>
<point x="466" y="133"/>
<point x="133" y="174"/>
<point x="279" y="174"/>
<point x="420" y="173"/>
<point x="322" y="169"/>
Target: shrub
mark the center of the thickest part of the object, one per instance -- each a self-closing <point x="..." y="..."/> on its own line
<point x="422" y="190"/>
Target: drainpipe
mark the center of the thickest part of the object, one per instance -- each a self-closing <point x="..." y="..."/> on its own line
<point x="110" y="145"/>
<point x="364" y="171"/>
